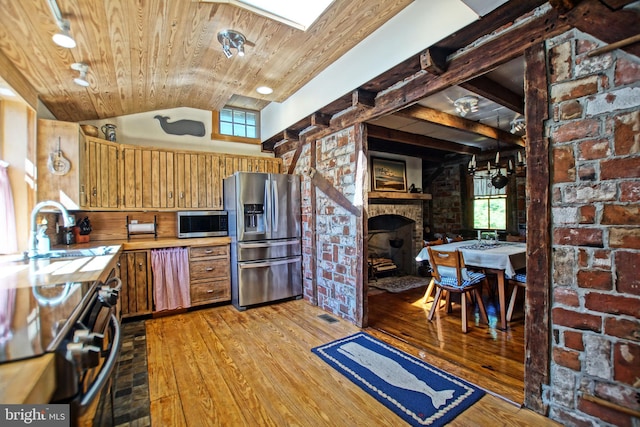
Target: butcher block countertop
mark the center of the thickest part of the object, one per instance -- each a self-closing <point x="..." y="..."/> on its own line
<point x="138" y="243"/>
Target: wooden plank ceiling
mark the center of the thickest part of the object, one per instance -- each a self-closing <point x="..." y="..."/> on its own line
<point x="157" y="54"/>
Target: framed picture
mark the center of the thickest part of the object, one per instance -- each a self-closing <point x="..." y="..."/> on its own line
<point x="389" y="175"/>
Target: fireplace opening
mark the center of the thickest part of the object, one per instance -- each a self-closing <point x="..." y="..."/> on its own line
<point x="391" y="246"/>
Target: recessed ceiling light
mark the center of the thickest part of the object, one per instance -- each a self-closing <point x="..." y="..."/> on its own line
<point x="265" y="90"/>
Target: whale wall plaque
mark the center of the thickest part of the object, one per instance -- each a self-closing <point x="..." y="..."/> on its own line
<point x="181" y="127"/>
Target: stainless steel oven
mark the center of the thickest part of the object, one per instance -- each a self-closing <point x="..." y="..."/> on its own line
<point x="86" y="357"/>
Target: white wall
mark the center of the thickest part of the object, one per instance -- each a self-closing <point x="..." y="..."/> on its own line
<point x="418" y="26"/>
<point x="143" y="129"/>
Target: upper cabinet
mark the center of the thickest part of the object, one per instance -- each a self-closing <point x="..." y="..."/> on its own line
<point x="101" y="173"/>
<point x="60" y="164"/>
<point x="84" y="172"/>
<point x="148" y="178"/>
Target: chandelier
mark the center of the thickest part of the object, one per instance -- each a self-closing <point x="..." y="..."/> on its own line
<point x="494" y="172"/>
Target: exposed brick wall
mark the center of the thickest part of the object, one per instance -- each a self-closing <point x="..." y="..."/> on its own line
<point x="446" y="205"/>
<point x="595" y="143"/>
<point x="338" y="256"/>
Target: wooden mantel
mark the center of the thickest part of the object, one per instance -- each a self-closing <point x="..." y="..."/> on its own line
<point x="389" y="195"/>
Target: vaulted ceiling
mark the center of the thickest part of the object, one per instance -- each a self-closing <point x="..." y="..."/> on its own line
<point x="158" y="54"/>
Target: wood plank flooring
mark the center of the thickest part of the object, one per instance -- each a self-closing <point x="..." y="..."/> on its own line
<point x="218" y="366"/>
<point x="486" y="355"/>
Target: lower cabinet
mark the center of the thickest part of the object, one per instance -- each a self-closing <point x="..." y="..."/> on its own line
<point x="135" y="273"/>
<point x="209" y="274"/>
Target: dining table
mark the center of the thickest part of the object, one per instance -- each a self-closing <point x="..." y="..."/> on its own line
<point x="497" y="257"/>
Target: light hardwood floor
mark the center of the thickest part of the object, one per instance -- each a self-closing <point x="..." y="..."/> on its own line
<point x="486" y="355"/>
<point x="218" y="366"/>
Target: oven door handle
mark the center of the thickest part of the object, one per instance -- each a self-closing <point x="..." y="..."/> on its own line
<point x="107" y="368"/>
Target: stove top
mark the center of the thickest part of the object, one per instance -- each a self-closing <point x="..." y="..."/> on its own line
<point x="33" y="320"/>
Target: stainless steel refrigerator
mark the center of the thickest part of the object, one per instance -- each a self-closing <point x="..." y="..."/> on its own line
<point x="264" y="225"/>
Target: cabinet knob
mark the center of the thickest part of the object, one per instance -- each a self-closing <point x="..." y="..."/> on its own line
<point x="140" y="266"/>
<point x="209" y="291"/>
<point x="208" y="251"/>
<point x="209" y="268"/>
<point x="95" y="191"/>
<point x="182" y="194"/>
<point x="171" y="194"/>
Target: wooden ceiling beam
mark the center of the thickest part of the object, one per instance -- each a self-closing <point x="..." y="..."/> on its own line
<point x="374" y="131"/>
<point x="495" y="92"/>
<point x="434" y="60"/>
<point x="361" y="97"/>
<point x="595" y="18"/>
<point x="392" y="147"/>
<point x="466" y="65"/>
<point x="454" y="122"/>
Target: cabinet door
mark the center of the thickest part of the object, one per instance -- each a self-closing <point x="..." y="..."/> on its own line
<point x="61" y="138"/>
<point x="197" y="177"/>
<point x="102" y="173"/>
<point x="209" y="274"/>
<point x="135" y="273"/>
<point x="148" y="178"/>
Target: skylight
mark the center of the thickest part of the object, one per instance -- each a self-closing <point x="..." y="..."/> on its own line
<point x="296" y="13"/>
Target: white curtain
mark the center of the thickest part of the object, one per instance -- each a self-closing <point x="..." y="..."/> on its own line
<point x="9" y="240"/>
<point x="170" y="278"/>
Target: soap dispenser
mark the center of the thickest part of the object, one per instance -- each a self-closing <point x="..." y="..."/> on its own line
<point x="44" y="244"/>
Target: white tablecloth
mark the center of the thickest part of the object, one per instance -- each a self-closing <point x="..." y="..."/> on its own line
<point x="507" y="256"/>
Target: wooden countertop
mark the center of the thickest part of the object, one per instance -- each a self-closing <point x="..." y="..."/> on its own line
<point x="138" y="243"/>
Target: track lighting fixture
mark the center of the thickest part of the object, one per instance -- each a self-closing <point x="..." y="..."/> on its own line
<point x="517" y="125"/>
<point x="231" y="39"/>
<point x="83" y="68"/>
<point x="62" y="38"/>
<point x="466" y="105"/>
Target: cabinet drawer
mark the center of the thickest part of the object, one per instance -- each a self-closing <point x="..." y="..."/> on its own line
<point x="211" y="291"/>
<point x="209" y="269"/>
<point x="208" y="251"/>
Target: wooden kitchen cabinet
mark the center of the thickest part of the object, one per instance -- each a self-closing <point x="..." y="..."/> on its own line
<point x="102" y="173"/>
<point x="209" y="271"/>
<point x="198" y="181"/>
<point x="56" y="138"/>
<point x="137" y="283"/>
<point x="148" y="178"/>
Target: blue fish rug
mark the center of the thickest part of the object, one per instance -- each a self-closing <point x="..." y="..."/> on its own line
<point x="419" y="393"/>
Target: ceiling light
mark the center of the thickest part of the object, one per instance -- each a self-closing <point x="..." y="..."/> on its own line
<point x="231" y="39"/>
<point x="517" y="125"/>
<point x="264" y="90"/>
<point x="81" y="80"/>
<point x="466" y="105"/>
<point x="63" y="38"/>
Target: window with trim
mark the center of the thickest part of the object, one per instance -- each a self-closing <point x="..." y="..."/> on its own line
<point x="239" y="122"/>
<point x="489" y="204"/>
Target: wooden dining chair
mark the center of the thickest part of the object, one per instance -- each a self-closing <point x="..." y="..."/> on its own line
<point x="518" y="281"/>
<point x="450" y="275"/>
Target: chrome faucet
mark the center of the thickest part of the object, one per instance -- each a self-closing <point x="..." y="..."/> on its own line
<point x="68" y="222"/>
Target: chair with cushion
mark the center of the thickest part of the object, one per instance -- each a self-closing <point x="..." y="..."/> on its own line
<point x="451" y="275"/>
<point x="518" y="281"/>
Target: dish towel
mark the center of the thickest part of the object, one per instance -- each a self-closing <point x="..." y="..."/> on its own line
<point x="170" y="278"/>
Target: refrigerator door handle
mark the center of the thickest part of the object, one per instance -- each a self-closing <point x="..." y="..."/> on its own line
<point x="268" y="263"/>
<point x="265" y="244"/>
<point x="276" y="206"/>
<point x="267" y="207"/>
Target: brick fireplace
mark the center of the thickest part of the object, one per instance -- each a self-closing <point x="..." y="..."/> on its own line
<point x="409" y="230"/>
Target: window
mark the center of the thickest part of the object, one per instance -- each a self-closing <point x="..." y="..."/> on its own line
<point x="239" y="122"/>
<point x="489" y="204"/>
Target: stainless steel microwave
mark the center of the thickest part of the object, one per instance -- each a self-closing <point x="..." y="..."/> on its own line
<point x="202" y="224"/>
